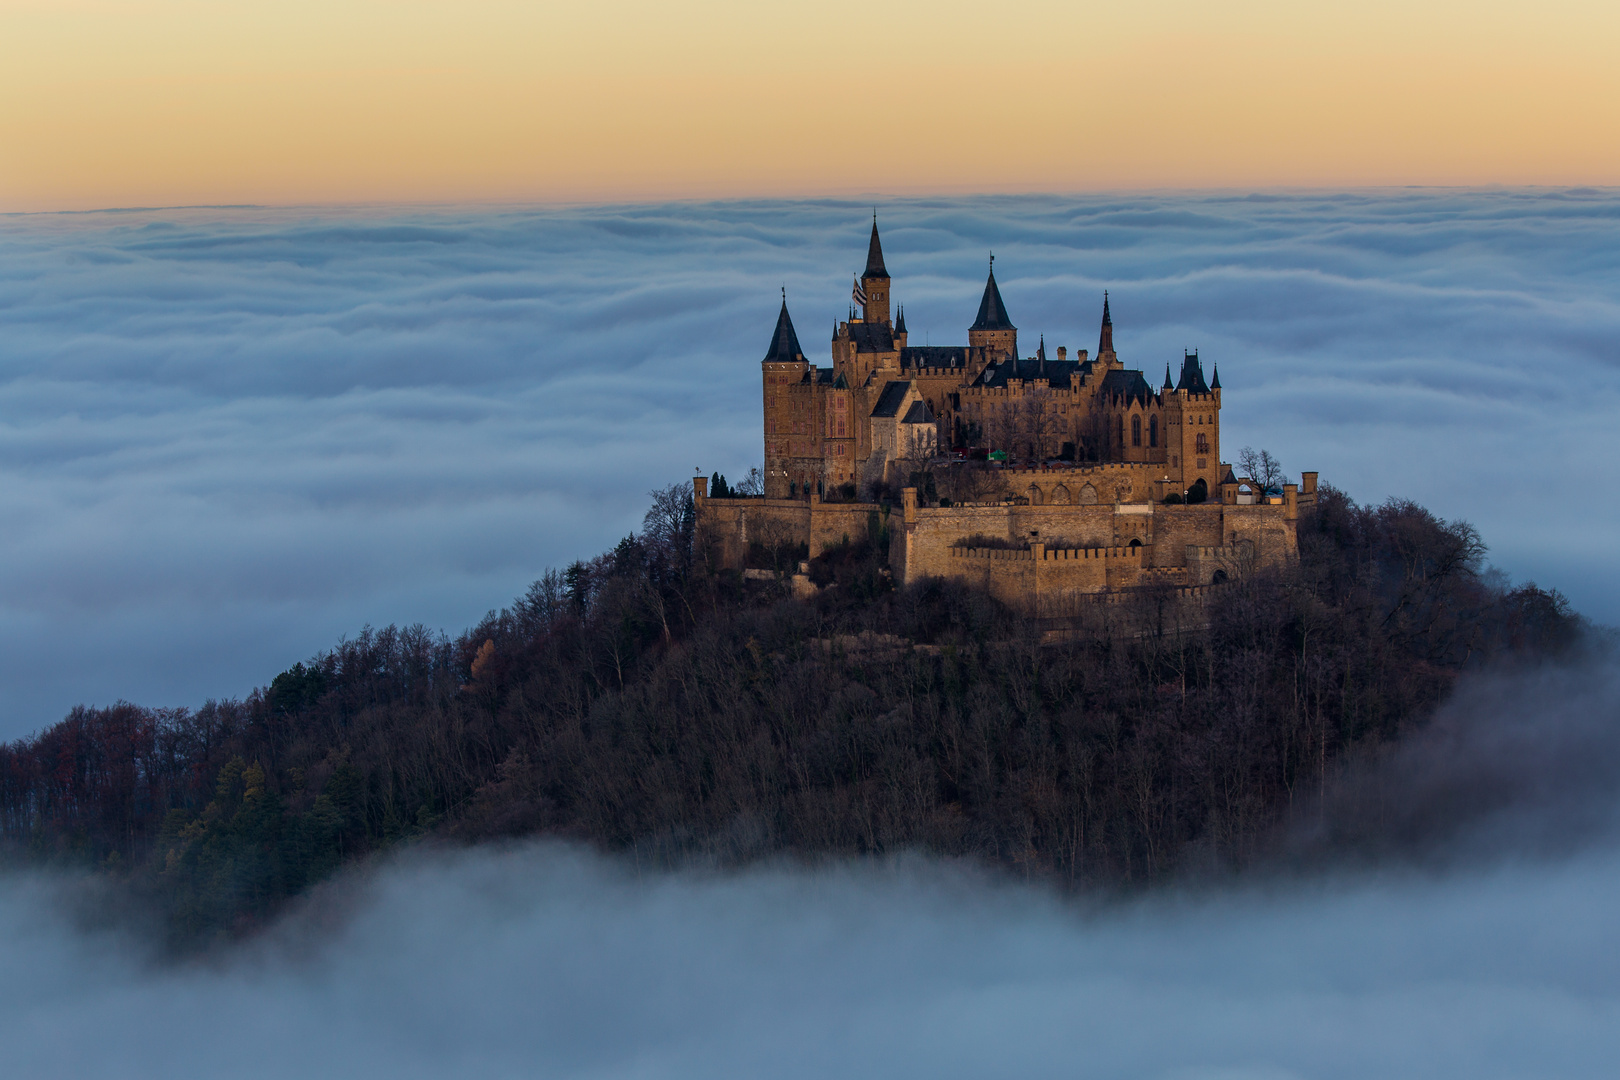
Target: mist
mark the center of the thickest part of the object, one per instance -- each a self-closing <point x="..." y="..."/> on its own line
<point x="1466" y="930"/>
<point x="229" y="437"/>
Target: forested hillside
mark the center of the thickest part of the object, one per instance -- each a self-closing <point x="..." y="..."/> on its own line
<point x="647" y="703"/>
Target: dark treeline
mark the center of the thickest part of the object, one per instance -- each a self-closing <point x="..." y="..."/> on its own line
<point x="647" y="703"/>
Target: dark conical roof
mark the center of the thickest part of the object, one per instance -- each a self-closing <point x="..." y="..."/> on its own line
<point x="1105" y="340"/>
<point x="1215" y="383"/>
<point x="784" y="342"/>
<point x="874" y="256"/>
<point x="992" y="312"/>
<point x="1168" y="385"/>
<point x="900" y="323"/>
<point x="1192" y="375"/>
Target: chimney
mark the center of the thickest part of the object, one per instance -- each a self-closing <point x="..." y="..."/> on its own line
<point x="1063" y="353"/>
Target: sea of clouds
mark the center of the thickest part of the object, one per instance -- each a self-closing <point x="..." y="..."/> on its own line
<point x="1452" y="937"/>
<point x="230" y="436"/>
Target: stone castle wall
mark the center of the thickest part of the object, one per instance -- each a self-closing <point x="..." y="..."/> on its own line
<point x="728" y="527"/>
<point x="1044" y="558"/>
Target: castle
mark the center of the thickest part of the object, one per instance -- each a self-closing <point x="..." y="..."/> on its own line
<point x="1044" y="480"/>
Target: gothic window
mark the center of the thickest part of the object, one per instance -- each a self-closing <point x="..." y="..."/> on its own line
<point x="1203" y="443"/>
<point x="1153" y="431"/>
<point x="1119" y="435"/>
<point x="1136" y="431"/>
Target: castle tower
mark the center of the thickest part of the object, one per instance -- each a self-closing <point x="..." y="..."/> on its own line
<point x="875" y="281"/>
<point x="1199" y="426"/>
<point x="782" y="370"/>
<point x="993" y="330"/>
<point x="1105" y="337"/>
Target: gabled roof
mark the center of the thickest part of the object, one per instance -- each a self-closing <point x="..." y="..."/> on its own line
<point x="871" y="337"/>
<point x="992" y="312"/>
<point x="888" y="402"/>
<point x="1129" y="385"/>
<point x="784" y="342"/>
<point x="874" y="256"/>
<point x="919" y="413"/>
<point x="1192" y="375"/>
<point x="934" y="356"/>
<point x="1059" y="374"/>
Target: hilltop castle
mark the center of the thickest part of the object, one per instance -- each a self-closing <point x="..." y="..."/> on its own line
<point x="1092" y="479"/>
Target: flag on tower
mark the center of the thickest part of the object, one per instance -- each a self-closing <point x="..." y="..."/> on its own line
<point x="858" y="294"/>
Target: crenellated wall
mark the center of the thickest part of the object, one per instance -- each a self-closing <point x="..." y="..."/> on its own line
<point x="1041" y="557"/>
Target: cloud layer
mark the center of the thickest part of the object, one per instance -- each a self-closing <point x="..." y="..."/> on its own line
<point x="541" y="961"/>
<point x="1479" y="941"/>
<point x="229" y="436"/>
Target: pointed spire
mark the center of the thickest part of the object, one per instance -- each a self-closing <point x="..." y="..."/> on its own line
<point x="1215" y="383"/>
<point x="1105" y="340"/>
<point x="784" y="342"/>
<point x="992" y="312"/>
<point x="874" y="255"/>
<point x="1168" y="385"/>
<point x="900" y="323"/>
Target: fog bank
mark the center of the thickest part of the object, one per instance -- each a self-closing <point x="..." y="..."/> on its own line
<point x="229" y="436"/>
<point x="540" y="961"/>
<point x="1464" y="929"/>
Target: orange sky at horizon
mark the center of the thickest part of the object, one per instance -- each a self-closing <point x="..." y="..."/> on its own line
<point x="172" y="102"/>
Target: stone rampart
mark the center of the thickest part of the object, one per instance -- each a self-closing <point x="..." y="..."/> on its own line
<point x="728" y="527"/>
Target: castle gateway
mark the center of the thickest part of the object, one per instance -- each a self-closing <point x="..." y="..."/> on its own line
<point x="1042" y="479"/>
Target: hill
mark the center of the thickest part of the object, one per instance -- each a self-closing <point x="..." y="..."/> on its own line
<point x="647" y="703"/>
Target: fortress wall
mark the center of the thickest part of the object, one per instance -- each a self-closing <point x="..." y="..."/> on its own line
<point x="1112" y="482"/>
<point x="833" y="523"/>
<point x="1043" y="582"/>
<point x="1267" y="528"/>
<point x="726" y="527"/>
<point x="1175" y="528"/>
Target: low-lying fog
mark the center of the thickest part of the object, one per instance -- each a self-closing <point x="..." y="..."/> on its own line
<point x="1448" y="914"/>
<point x="229" y="436"/>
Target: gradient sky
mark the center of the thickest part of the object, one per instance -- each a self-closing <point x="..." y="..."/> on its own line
<point x="166" y="102"/>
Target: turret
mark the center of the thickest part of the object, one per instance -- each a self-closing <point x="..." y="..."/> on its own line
<point x="993" y="330"/>
<point x="784" y="367"/>
<point x="1105" y="338"/>
<point x="875" y="281"/>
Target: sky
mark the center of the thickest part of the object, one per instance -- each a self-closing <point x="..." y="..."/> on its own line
<point x="117" y="103"/>
<point x="1467" y="948"/>
<point x="230" y="437"/>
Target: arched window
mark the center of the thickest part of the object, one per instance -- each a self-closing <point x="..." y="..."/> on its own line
<point x="1218" y="578"/>
<point x="1119" y="432"/>
<point x="1136" y="431"/>
<point x="1136" y="543"/>
<point x="1153" y="431"/>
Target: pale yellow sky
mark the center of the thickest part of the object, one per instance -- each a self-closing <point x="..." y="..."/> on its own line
<point x="165" y="102"/>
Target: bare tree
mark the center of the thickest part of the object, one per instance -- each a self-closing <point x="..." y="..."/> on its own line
<point x="1039" y="423"/>
<point x="969" y="481"/>
<point x="1263" y="469"/>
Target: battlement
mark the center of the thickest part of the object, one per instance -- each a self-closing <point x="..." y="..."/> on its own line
<point x="1046" y="554"/>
